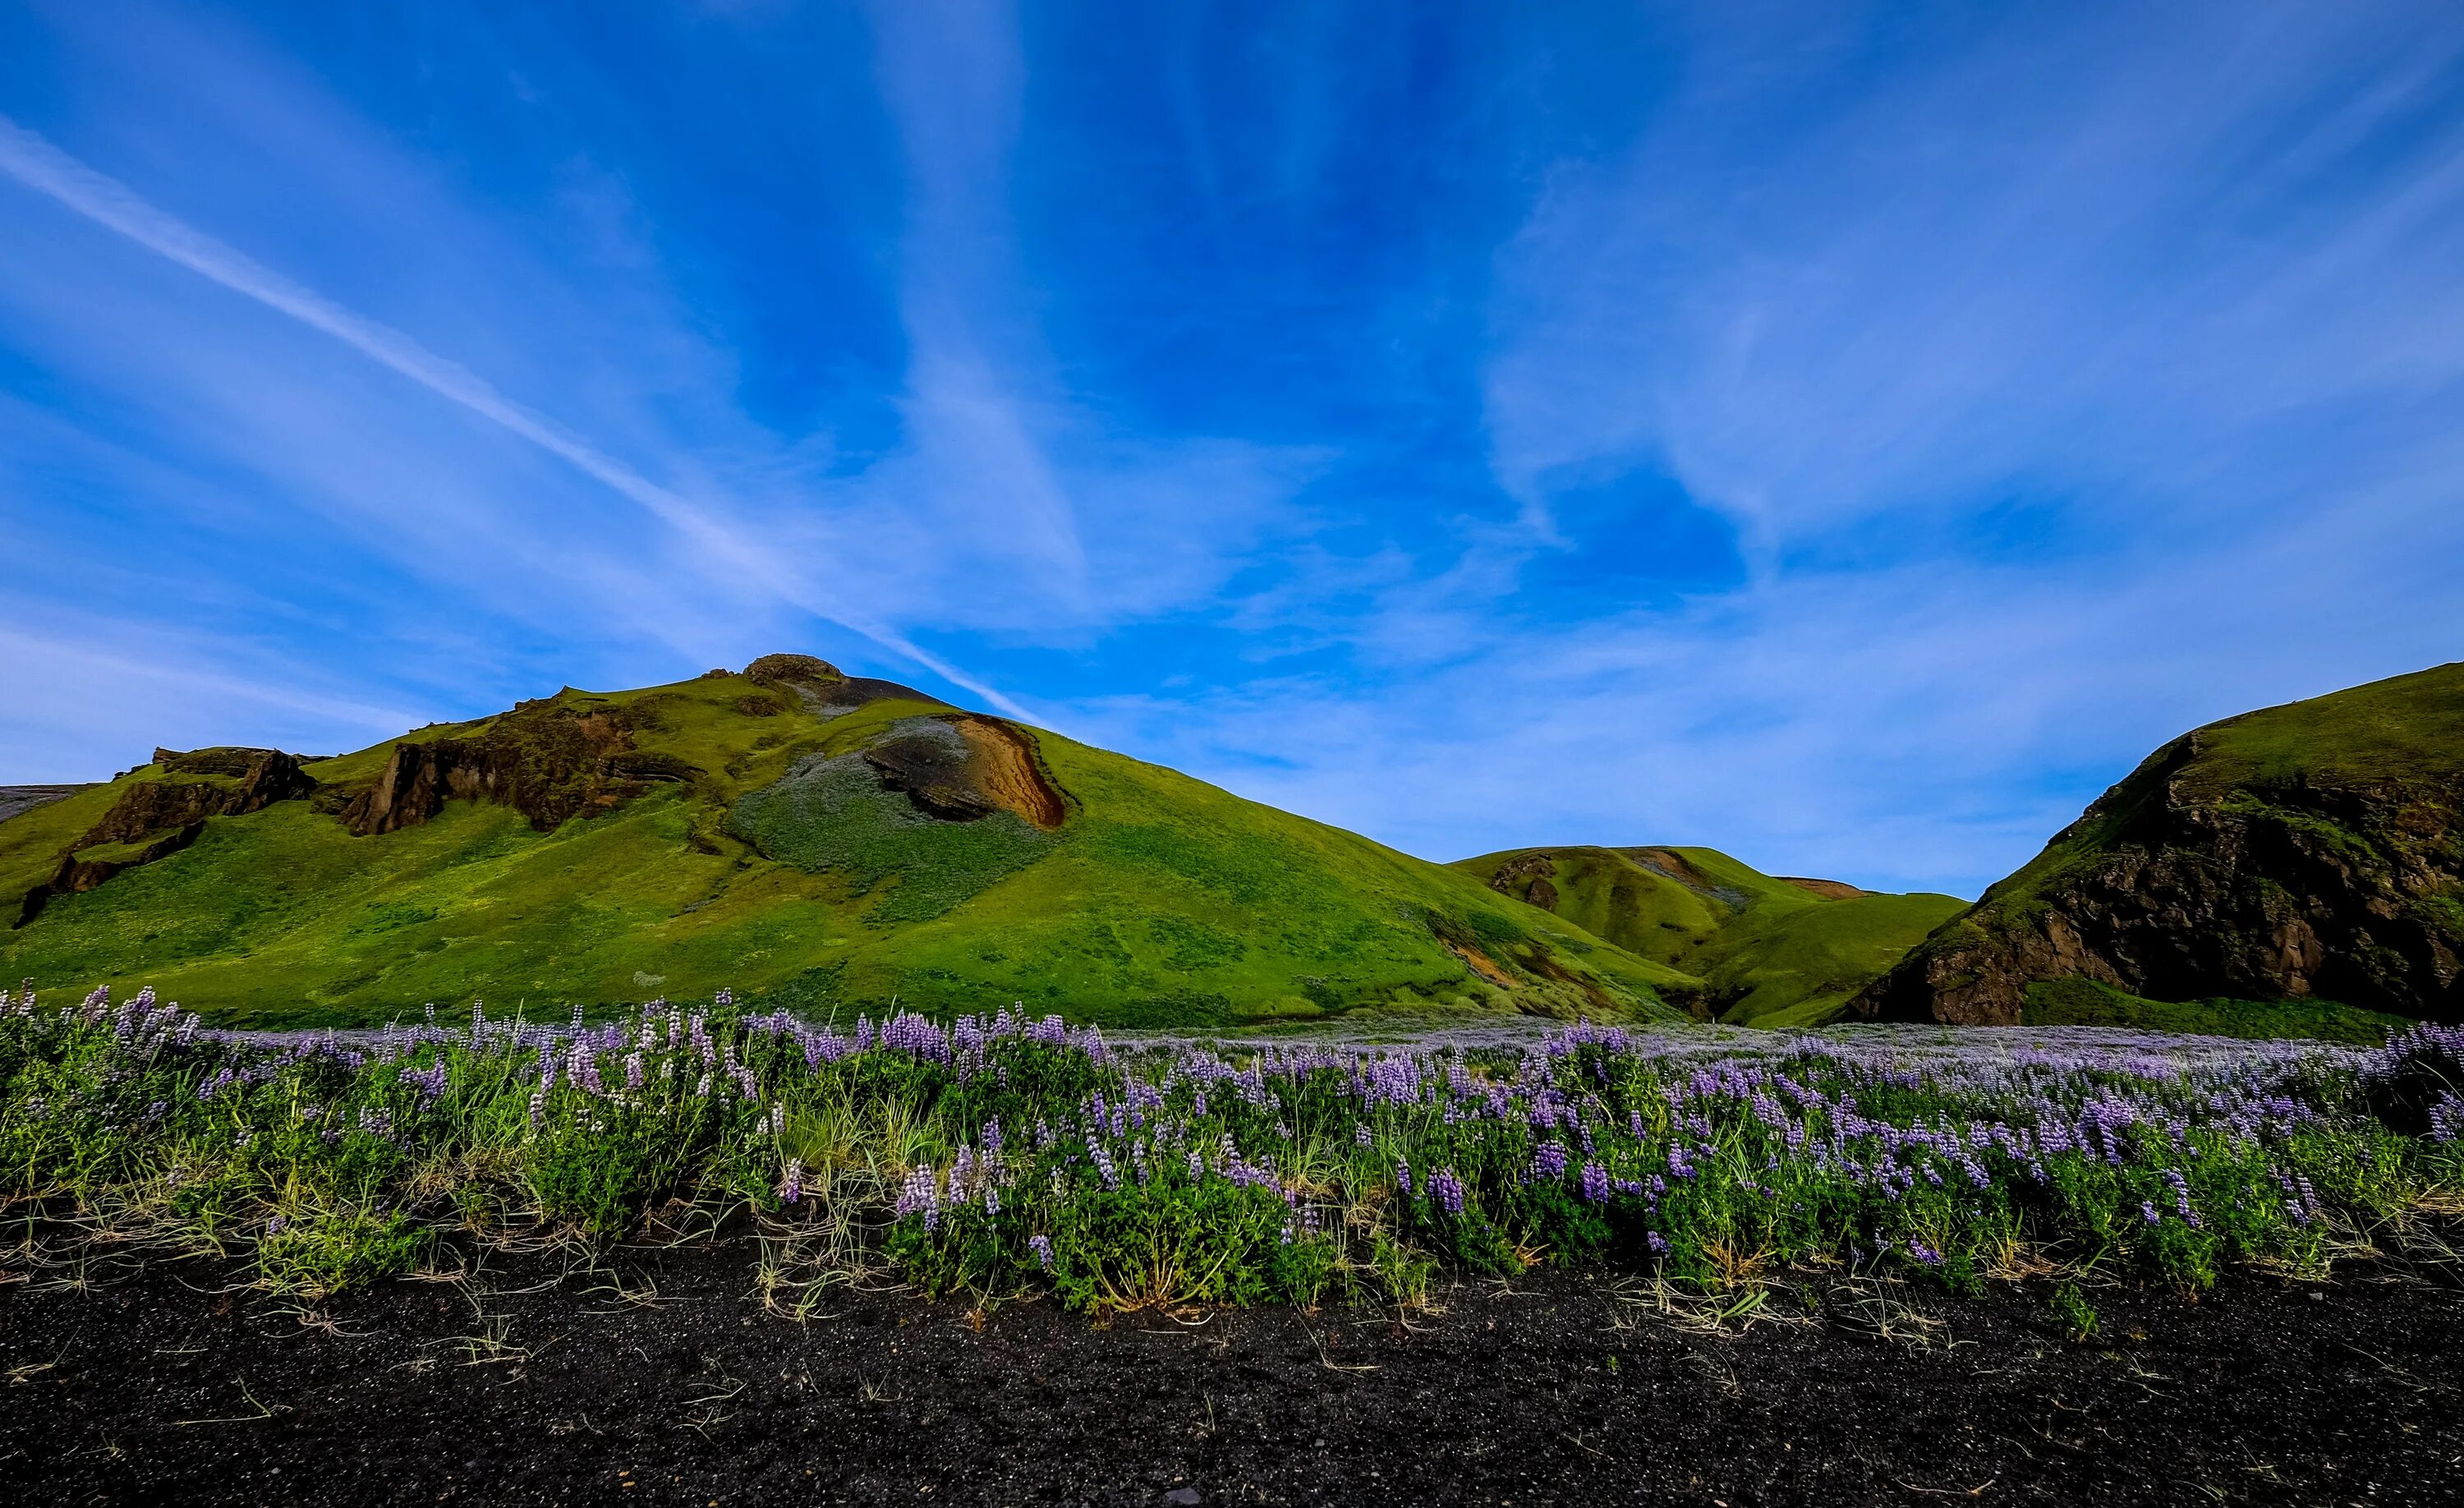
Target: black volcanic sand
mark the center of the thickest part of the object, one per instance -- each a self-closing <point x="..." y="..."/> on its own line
<point x="158" y="1388"/>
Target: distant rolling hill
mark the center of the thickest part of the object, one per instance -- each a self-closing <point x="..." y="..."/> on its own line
<point x="2296" y="869"/>
<point x="1768" y="950"/>
<point x="792" y="833"/>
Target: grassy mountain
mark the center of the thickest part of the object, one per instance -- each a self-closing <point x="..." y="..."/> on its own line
<point x="1770" y="951"/>
<point x="2305" y="853"/>
<point x="787" y="832"/>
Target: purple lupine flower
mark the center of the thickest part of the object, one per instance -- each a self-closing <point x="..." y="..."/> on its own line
<point x="1041" y="1246"/>
<point x="1595" y="1184"/>
<point x="1447" y="1190"/>
<point x="1403" y="1175"/>
<point x="921" y="1194"/>
<point x="791" y="1188"/>
<point x="2445" y="1118"/>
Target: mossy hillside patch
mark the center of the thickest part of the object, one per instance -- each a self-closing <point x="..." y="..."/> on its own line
<point x="835" y="815"/>
<point x="1799" y="966"/>
<point x="2084" y="1002"/>
<point x="2391" y="733"/>
<point x="1611" y="895"/>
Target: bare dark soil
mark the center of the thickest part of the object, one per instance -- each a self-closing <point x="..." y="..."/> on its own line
<point x="163" y="1385"/>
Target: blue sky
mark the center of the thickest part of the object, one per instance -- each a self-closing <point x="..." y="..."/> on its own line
<point x="1849" y="436"/>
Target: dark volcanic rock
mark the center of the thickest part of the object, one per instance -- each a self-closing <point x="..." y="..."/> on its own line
<point x="2307" y="851"/>
<point x="156" y="817"/>
<point x="931" y="767"/>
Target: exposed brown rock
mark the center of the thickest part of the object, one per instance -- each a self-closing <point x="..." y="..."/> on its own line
<point x="549" y="760"/>
<point x="2172" y="889"/>
<point x="1669" y="864"/>
<point x="792" y="670"/>
<point x="162" y="817"/>
<point x="1011" y="773"/>
<point x="78" y="873"/>
<point x="238" y="782"/>
<point x="968" y="768"/>
<point x="1527" y="877"/>
<point x="860" y="691"/>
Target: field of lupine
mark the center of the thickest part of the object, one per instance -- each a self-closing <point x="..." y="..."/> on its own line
<point x="1006" y="1156"/>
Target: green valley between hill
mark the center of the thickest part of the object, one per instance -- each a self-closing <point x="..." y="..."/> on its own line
<point x="1770" y="951"/>
<point x="791" y="833"/>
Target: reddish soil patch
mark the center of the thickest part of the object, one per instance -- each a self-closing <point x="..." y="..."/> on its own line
<point x="1006" y="768"/>
<point x="1480" y="963"/>
<point x="1828" y="890"/>
<point x="170" y="1387"/>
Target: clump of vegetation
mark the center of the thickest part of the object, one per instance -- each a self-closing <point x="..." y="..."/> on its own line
<point x="835" y="816"/>
<point x="2071" y="1313"/>
<point x="1004" y="1156"/>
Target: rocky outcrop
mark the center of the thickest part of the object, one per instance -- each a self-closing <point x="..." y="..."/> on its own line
<point x="201" y="783"/>
<point x="156" y="817"/>
<point x="550" y="762"/>
<point x="2213" y="872"/>
<point x="80" y="872"/>
<point x="968" y="768"/>
<point x="792" y="670"/>
<point x="1528" y="877"/>
<point x="823" y="688"/>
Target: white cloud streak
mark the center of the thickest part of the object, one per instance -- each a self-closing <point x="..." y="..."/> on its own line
<point x="36" y="162"/>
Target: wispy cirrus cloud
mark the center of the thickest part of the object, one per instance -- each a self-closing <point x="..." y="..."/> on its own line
<point x="726" y="551"/>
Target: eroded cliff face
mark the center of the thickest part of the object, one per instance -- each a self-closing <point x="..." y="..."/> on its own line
<point x="2176" y="886"/>
<point x="155" y="818"/>
<point x="551" y="763"/>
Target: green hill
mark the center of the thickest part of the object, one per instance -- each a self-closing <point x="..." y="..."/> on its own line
<point x="1770" y="951"/>
<point x="788" y="832"/>
<point x="2252" y="869"/>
